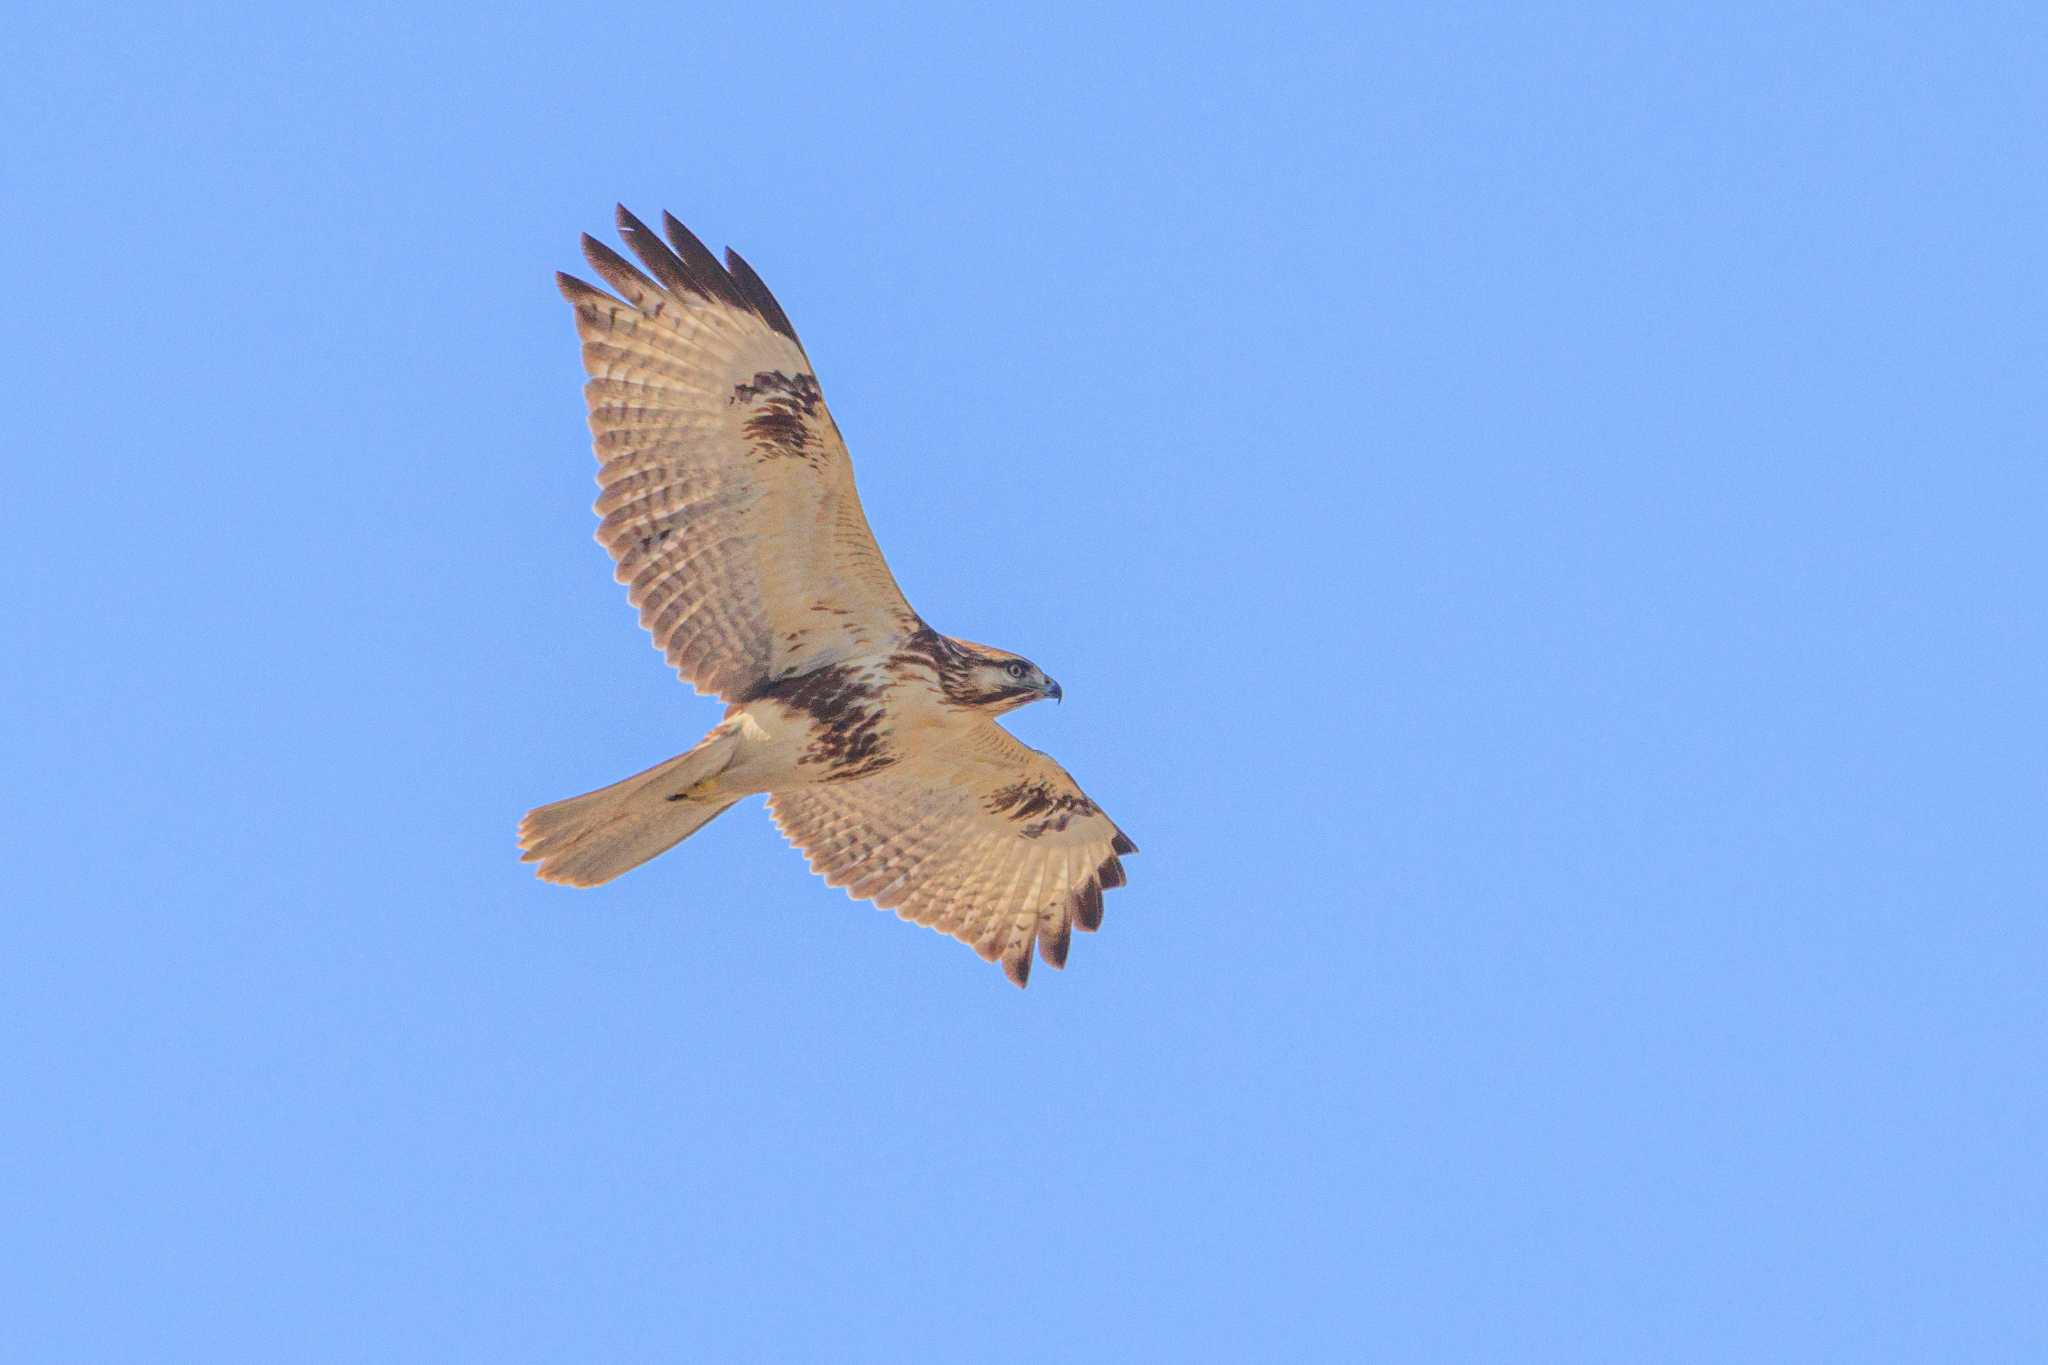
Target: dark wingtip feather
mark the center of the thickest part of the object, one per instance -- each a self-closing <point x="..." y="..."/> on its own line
<point x="1018" y="967"/>
<point x="579" y="291"/>
<point x="1088" y="907"/>
<point x="1110" y="874"/>
<point x="653" y="252"/>
<point x="1053" y="946"/>
<point x="757" y="294"/>
<point x="681" y="263"/>
<point x="1122" y="843"/>
<point x="620" y="273"/>
<point x="707" y="276"/>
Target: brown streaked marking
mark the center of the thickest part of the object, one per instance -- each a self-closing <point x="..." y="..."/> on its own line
<point x="783" y="409"/>
<point x="1029" y="799"/>
<point x="954" y="662"/>
<point x="844" y="706"/>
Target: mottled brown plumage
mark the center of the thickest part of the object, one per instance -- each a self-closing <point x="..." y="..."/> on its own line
<point x="728" y="504"/>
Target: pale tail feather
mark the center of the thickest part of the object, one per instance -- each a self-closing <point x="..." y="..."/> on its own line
<point x="592" y="838"/>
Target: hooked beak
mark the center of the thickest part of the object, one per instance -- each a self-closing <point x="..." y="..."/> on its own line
<point x="1052" y="689"/>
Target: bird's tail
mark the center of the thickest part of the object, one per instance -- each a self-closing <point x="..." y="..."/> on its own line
<point x="590" y="839"/>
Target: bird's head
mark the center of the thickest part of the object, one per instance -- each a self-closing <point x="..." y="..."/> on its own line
<point x="998" y="680"/>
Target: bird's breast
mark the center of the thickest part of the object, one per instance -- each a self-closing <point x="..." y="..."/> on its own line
<point x="843" y="722"/>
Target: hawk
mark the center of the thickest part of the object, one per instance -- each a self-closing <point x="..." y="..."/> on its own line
<point x="730" y="509"/>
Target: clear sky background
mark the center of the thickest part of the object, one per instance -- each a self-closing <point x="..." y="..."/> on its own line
<point x="1539" y="513"/>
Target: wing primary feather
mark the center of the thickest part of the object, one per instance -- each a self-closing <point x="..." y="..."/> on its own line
<point x="654" y="253"/>
<point x="1088" y="907"/>
<point x="757" y="294"/>
<point x="580" y="292"/>
<point x="1122" y="843"/>
<point x="710" y="277"/>
<point x="620" y="273"/>
<point x="1053" y="939"/>
<point x="1110" y="874"/>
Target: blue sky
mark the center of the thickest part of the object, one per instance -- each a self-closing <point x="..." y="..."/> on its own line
<point x="1538" y="512"/>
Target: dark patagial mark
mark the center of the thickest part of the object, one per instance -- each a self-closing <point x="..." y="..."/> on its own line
<point x="783" y="409"/>
<point x="928" y="651"/>
<point x="1032" y="797"/>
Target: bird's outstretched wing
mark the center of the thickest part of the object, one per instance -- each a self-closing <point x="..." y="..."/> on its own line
<point x="983" y="839"/>
<point x="728" y="496"/>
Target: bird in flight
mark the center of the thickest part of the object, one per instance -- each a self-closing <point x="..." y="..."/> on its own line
<point x="729" y="506"/>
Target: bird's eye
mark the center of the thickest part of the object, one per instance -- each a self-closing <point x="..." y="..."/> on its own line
<point x="1014" y="670"/>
